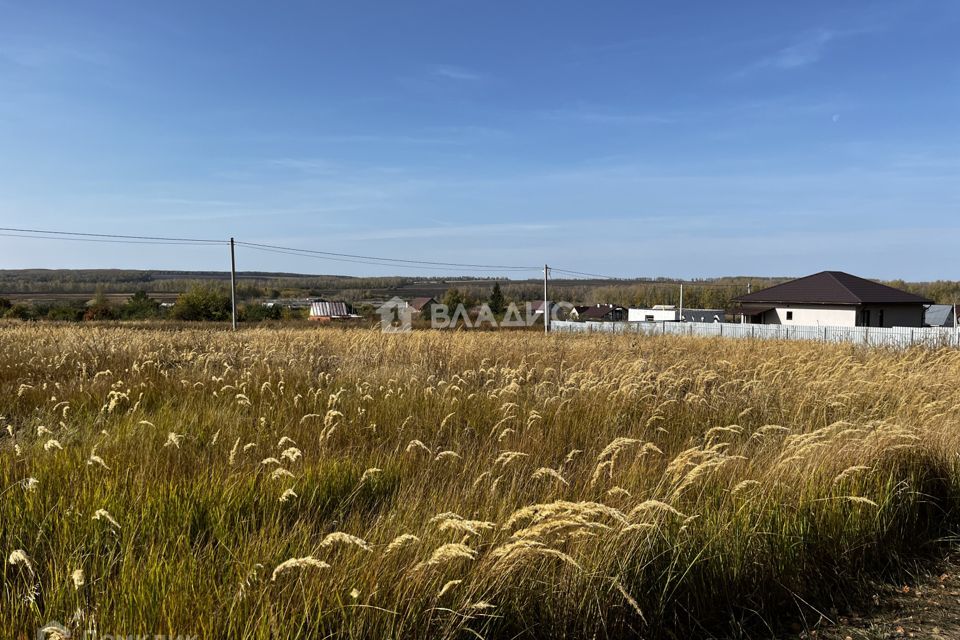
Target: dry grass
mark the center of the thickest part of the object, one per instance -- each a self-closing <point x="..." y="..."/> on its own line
<point x="327" y="483"/>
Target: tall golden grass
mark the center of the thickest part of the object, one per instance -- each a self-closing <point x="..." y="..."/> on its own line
<point x="348" y="484"/>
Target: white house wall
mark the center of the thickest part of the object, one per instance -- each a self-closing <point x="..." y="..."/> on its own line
<point x="813" y="315"/>
<point x="659" y="315"/>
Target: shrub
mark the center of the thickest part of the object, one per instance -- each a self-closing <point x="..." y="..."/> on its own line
<point x="202" y="302"/>
<point x="65" y="312"/>
<point x="140" y="306"/>
<point x="20" y="311"/>
<point x="259" y="313"/>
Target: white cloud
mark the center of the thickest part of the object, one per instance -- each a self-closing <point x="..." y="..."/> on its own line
<point x="606" y="116"/>
<point x="807" y="49"/>
<point x="456" y="73"/>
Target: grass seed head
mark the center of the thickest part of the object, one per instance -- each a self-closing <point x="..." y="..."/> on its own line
<point x="341" y="538"/>
<point x="306" y="562"/>
<point x="19" y="558"/>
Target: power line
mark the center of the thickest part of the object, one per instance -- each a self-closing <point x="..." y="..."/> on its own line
<point x="690" y="283"/>
<point x="303" y="253"/>
<point x="390" y="261"/>
<point x="587" y="275"/>
<point x="178" y="243"/>
<point x="380" y="261"/>
<point x="113" y="235"/>
<point x="47" y="234"/>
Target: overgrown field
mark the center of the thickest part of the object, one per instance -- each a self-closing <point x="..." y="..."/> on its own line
<point x="343" y="483"/>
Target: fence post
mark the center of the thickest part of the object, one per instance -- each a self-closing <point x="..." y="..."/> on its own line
<point x="911" y="337"/>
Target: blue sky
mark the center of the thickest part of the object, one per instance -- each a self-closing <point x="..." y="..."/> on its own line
<point x="686" y="139"/>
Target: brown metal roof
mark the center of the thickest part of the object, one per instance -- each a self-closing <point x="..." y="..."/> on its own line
<point x="418" y="304"/>
<point x="598" y="311"/>
<point x="832" y="287"/>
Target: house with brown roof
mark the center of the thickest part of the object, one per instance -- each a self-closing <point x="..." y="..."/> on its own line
<point x="603" y="312"/>
<point x="421" y="305"/>
<point x="575" y="312"/>
<point x="832" y="298"/>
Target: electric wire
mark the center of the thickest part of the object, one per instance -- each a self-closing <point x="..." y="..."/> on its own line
<point x="113" y="235"/>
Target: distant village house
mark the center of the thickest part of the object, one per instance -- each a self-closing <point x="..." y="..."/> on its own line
<point x="330" y="311"/>
<point x="833" y="298"/>
<point x="422" y="305"/>
<point x="603" y="313"/>
<point x="670" y="313"/>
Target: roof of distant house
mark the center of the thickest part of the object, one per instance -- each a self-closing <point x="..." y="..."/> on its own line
<point x="702" y="315"/>
<point x="938" y="315"/>
<point x="419" y="304"/>
<point x="832" y="287"/>
<point x="598" y="311"/>
<point x="329" y="309"/>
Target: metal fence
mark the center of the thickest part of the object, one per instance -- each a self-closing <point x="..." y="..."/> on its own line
<point x="874" y="336"/>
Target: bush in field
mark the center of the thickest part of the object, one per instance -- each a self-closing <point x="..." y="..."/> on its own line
<point x="259" y="313"/>
<point x="294" y="314"/>
<point x="65" y="313"/>
<point x="100" y="308"/>
<point x="140" y="306"/>
<point x="202" y="302"/>
<point x="20" y="311"/>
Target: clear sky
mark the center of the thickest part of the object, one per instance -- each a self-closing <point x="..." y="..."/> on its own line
<point x="684" y="139"/>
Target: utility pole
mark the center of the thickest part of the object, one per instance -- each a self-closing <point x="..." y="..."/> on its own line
<point x="743" y="316"/>
<point x="546" y="305"/>
<point x="233" y="286"/>
<point x="680" y="317"/>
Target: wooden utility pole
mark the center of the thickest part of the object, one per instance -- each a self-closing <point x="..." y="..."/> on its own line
<point x="233" y="286"/>
<point x="546" y="305"/>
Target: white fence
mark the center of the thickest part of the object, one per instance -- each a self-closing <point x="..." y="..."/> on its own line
<point x="874" y="336"/>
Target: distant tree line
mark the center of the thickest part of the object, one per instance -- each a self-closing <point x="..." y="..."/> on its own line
<point x="210" y="300"/>
<point x="201" y="302"/>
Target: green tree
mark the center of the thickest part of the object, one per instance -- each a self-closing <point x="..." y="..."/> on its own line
<point x="202" y="302"/>
<point x="260" y="312"/>
<point x="140" y="306"/>
<point x="497" y="302"/>
<point x="65" y="312"/>
<point x="20" y="311"/>
<point x="100" y="307"/>
<point x="454" y="297"/>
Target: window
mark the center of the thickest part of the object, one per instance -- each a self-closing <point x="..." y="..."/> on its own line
<point x="789" y="315"/>
<point x="648" y="318"/>
<point x="866" y="318"/>
<point x="880" y="318"/>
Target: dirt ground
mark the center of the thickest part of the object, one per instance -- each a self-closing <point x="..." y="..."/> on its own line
<point x="927" y="606"/>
